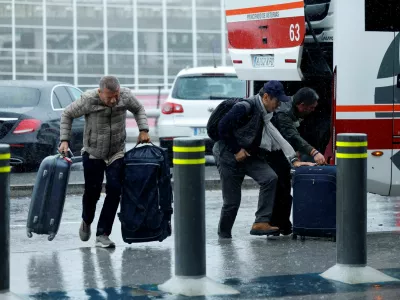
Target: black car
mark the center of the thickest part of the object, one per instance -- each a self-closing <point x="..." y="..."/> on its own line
<point x="30" y="113"/>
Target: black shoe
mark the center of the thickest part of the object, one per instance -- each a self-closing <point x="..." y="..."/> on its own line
<point x="286" y="231"/>
<point x="224" y="235"/>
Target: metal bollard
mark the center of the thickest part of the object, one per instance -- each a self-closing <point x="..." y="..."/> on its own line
<point x="351" y="199"/>
<point x="351" y="214"/>
<point x="189" y="223"/>
<point x="4" y="217"/>
<point x="189" y="216"/>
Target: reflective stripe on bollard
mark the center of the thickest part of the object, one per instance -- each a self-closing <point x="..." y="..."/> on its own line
<point x="5" y="170"/>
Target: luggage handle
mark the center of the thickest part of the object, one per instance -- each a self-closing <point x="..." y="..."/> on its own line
<point x="137" y="144"/>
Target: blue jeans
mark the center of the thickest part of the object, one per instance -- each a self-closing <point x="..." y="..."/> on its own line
<point x="93" y="170"/>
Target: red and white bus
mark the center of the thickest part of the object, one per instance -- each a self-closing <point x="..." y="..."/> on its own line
<point x="354" y="66"/>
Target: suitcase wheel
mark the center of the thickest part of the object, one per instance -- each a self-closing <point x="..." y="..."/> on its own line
<point x="29" y="233"/>
<point x="51" y="236"/>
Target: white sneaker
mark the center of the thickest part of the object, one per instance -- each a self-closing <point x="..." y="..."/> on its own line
<point x="104" y="241"/>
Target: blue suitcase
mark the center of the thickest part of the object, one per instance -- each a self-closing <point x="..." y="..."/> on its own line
<point x="314" y="202"/>
<point x="48" y="196"/>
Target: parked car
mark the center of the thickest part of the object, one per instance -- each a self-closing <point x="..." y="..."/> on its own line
<point x="194" y="95"/>
<point x="30" y="113"/>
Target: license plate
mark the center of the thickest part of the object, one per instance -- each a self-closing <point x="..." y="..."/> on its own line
<point x="200" y="131"/>
<point x="263" y="61"/>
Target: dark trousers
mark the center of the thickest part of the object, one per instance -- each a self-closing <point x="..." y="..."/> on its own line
<point x="94" y="175"/>
<point x="232" y="174"/>
<point x="283" y="199"/>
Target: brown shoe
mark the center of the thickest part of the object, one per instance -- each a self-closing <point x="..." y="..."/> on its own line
<point x="264" y="229"/>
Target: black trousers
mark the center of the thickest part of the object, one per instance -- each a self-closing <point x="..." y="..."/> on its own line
<point x="283" y="199"/>
<point x="94" y="174"/>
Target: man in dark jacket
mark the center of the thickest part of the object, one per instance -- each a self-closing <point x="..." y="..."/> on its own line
<point x="287" y="119"/>
<point x="246" y="133"/>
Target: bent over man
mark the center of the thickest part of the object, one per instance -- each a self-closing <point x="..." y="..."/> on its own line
<point x="246" y="134"/>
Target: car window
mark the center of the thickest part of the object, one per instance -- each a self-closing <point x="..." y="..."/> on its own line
<point x="18" y="97"/>
<point x="201" y="87"/>
<point x="76" y="94"/>
<point x="62" y="96"/>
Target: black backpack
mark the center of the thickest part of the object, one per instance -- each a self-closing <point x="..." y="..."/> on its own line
<point x="220" y="111"/>
<point x="146" y="202"/>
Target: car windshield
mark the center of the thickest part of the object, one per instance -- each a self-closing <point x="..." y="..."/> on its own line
<point x="11" y="97"/>
<point x="202" y="87"/>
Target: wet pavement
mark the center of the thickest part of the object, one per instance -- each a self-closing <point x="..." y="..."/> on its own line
<point x="258" y="267"/>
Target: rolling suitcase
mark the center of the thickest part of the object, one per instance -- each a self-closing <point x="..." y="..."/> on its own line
<point x="314" y="202"/>
<point x="48" y="196"/>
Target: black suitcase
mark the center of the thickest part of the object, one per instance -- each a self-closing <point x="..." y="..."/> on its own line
<point x="48" y="196"/>
<point x="314" y="202"/>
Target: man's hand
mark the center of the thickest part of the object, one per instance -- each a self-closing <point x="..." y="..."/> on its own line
<point x="297" y="164"/>
<point x="143" y="137"/>
<point x="63" y="149"/>
<point x="319" y="159"/>
<point x="241" y="155"/>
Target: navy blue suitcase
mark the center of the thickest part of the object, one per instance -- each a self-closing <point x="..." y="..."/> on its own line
<point x="314" y="202"/>
<point x="48" y="196"/>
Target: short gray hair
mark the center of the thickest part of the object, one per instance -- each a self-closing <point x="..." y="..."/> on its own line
<point x="109" y="82"/>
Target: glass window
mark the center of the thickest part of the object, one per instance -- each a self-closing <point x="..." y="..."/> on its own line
<point x="5" y="77"/>
<point x="5" y="37"/>
<point x="151" y="64"/>
<point x="177" y="62"/>
<point x="121" y="64"/>
<point x="382" y="15"/>
<point x="120" y="17"/>
<point x="150" y="18"/>
<point x="29" y="62"/>
<point x="149" y="2"/>
<point x="60" y="39"/>
<point x="62" y="96"/>
<point x="150" y="42"/>
<point x="209" y="3"/>
<point x="5" y="13"/>
<point x="29" y="77"/>
<point x="126" y="81"/>
<point x="206" y="87"/>
<point x="28" y="14"/>
<point x="208" y="60"/>
<point x="76" y="94"/>
<point x="90" y="81"/>
<point x="66" y="79"/>
<point x="180" y="42"/>
<point x="179" y="18"/>
<point x="90" y="40"/>
<point x="90" y="16"/>
<point x="59" y="15"/>
<point x="60" y="62"/>
<point x="151" y="82"/>
<point x="209" y="43"/>
<point x="29" y="38"/>
<point x="120" y="41"/>
<point x="89" y="2"/>
<point x="18" y="96"/>
<point x="208" y="19"/>
<point x="90" y="63"/>
<point x="5" y="60"/>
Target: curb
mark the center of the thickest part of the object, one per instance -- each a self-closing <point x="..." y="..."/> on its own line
<point x="19" y="191"/>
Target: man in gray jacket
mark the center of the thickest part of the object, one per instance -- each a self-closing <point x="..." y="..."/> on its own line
<point x="103" y="149"/>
